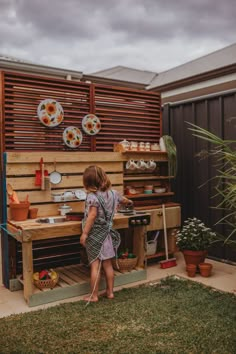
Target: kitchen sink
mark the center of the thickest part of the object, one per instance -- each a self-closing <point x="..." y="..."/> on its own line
<point x="51" y="220"/>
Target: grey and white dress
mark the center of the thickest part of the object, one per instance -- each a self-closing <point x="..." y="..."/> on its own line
<point x="102" y="241"/>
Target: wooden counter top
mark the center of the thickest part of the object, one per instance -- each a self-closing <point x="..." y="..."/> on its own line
<point x="30" y="230"/>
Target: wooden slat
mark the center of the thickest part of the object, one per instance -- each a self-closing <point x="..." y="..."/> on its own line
<point x="115" y="106"/>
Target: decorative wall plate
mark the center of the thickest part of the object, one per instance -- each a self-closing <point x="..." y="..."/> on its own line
<point x="91" y="124"/>
<point x="72" y="137"/>
<point x="50" y="112"/>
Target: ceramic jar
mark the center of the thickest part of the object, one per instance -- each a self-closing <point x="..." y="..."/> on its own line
<point x="133" y="146"/>
<point x="155" y="147"/>
<point x="141" y="146"/>
<point x="125" y="144"/>
<point x="147" y="146"/>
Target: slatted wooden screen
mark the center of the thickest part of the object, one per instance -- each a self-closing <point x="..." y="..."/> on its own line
<point x="124" y="113"/>
<point x="23" y="93"/>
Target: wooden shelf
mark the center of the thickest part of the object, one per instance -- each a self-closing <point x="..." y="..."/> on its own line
<point x="144" y="152"/>
<point x="136" y="196"/>
<point x="140" y="178"/>
<point x="158" y="254"/>
<point x="155" y="255"/>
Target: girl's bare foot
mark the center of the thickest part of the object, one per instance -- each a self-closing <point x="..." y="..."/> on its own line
<point x="88" y="298"/>
<point x="108" y="295"/>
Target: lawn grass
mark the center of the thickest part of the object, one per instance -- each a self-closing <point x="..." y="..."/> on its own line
<point x="174" y="316"/>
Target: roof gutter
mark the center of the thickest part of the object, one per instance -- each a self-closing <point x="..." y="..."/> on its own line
<point x="194" y="79"/>
<point x="41" y="69"/>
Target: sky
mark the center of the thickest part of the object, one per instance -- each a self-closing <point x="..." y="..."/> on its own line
<point x="93" y="35"/>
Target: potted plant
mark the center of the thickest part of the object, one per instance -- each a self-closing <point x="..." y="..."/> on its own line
<point x="193" y="240"/>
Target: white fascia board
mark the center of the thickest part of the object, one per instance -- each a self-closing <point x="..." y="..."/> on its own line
<point x="199" y="85"/>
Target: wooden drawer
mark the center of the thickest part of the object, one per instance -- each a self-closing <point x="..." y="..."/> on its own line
<point x="173" y="218"/>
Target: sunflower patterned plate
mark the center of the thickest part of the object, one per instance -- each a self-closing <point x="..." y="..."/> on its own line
<point x="91" y="124"/>
<point x="72" y="137"/>
<point x="50" y="113"/>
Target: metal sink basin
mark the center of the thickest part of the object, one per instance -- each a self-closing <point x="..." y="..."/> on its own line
<point x="51" y="220"/>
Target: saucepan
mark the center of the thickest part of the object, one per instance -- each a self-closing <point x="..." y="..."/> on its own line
<point x="55" y="176"/>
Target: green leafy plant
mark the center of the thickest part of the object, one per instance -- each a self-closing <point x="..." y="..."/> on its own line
<point x="224" y="154"/>
<point x="172" y="155"/>
<point x="194" y="236"/>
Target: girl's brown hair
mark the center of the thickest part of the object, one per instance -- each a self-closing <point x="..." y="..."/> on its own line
<point x="95" y="179"/>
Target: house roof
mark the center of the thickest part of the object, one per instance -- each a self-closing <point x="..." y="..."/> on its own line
<point x="219" y="59"/>
<point x="123" y="73"/>
<point x="10" y="62"/>
<point x="211" y="62"/>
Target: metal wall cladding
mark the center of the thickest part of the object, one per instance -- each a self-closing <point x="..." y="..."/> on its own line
<point x="195" y="183"/>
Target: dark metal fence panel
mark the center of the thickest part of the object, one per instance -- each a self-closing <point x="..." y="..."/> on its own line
<point x="195" y="183"/>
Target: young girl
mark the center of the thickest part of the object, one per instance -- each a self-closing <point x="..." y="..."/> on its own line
<point x="100" y="240"/>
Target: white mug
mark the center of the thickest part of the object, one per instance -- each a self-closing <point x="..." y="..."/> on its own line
<point x="142" y="165"/>
<point x="151" y="165"/>
<point x="131" y="165"/>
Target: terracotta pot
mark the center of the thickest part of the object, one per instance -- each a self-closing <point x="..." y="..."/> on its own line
<point x="194" y="257"/>
<point x="191" y="270"/>
<point x="33" y="212"/>
<point x="205" y="269"/>
<point x="19" y="211"/>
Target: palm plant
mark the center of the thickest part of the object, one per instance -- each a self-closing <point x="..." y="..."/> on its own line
<point x="224" y="153"/>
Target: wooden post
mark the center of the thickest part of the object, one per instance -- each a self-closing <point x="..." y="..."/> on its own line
<point x="92" y="111"/>
<point x="139" y="247"/>
<point x="27" y="259"/>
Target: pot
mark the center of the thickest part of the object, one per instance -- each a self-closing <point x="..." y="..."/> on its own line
<point x="205" y="269"/>
<point x="64" y="209"/>
<point x="191" y="270"/>
<point x="194" y="257"/>
<point x="57" y="196"/>
<point x="55" y="176"/>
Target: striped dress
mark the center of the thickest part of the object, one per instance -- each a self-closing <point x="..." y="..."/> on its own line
<point x="103" y="240"/>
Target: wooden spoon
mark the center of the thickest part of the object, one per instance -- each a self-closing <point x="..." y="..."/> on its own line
<point x="12" y="194"/>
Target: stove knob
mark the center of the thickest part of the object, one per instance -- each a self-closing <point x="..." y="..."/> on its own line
<point x="138" y="222"/>
<point x="132" y="222"/>
<point x="145" y="221"/>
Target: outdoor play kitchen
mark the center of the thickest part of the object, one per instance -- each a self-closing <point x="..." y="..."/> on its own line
<point x="53" y="130"/>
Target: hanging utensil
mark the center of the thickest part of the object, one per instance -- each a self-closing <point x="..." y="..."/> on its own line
<point x="55" y="176"/>
<point x="38" y="174"/>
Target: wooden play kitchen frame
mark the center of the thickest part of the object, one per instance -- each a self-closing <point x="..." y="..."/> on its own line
<point x="19" y="170"/>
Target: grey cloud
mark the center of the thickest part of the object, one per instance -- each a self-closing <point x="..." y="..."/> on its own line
<point x="94" y="34"/>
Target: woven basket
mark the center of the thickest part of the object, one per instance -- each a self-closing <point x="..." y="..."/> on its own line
<point x="124" y="265"/>
<point x="47" y="283"/>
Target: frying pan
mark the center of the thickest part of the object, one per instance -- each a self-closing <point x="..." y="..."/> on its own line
<point x="55" y="176"/>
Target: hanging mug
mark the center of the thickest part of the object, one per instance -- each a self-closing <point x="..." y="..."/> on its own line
<point x="142" y="165"/>
<point x="151" y="165"/>
<point x="131" y="165"/>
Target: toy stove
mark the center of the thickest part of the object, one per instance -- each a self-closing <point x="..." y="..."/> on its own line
<point x="136" y="218"/>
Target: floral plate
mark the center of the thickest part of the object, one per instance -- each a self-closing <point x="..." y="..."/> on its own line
<point x="72" y="137"/>
<point x="50" y="113"/>
<point x="91" y="124"/>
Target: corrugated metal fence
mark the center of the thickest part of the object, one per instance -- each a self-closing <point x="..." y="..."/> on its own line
<point x="216" y="113"/>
